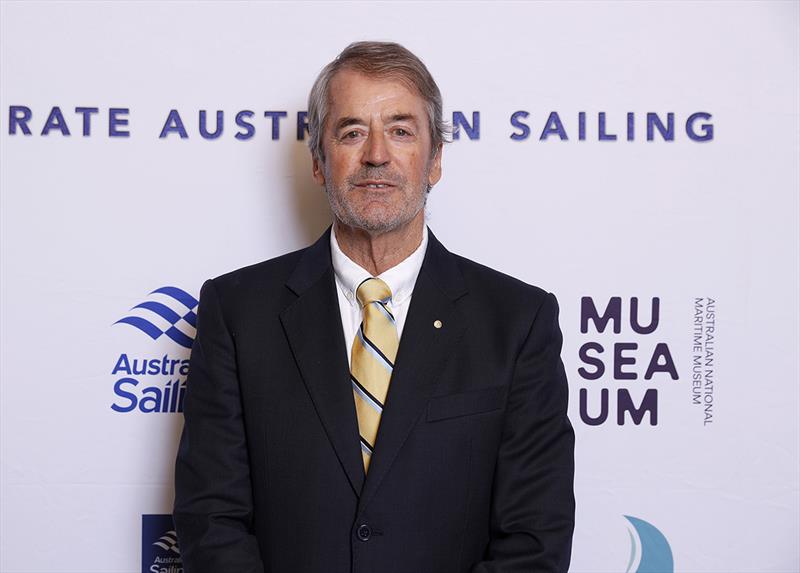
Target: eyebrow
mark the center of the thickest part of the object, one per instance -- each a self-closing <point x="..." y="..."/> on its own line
<point x="404" y="117"/>
<point x="349" y="120"/>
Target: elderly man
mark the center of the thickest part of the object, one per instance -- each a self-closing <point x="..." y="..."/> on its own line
<point x="374" y="403"/>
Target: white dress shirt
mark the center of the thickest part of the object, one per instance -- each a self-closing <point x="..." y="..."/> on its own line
<point x="400" y="279"/>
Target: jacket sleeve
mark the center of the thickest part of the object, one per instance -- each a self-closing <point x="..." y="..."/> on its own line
<point x="213" y="510"/>
<point x="533" y="504"/>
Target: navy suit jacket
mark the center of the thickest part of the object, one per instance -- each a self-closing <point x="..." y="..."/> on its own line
<point x="473" y="465"/>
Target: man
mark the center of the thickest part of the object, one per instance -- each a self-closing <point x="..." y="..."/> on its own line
<point x="374" y="403"/>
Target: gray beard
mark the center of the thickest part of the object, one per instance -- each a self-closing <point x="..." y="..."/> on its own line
<point x="342" y="212"/>
<point x="345" y="215"/>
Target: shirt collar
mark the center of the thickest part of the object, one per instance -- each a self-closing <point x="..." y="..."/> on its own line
<point x="400" y="278"/>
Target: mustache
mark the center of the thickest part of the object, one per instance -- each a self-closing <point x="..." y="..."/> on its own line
<point x="379" y="173"/>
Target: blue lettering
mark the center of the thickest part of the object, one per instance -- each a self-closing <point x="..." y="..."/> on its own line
<point x="601" y="128"/>
<point x="204" y="133"/>
<point x="55" y="121"/>
<point x="151" y="400"/>
<point x="518" y="123"/>
<point x="473" y="131"/>
<point x="115" y="122"/>
<point x="708" y="128"/>
<point x="87" y="118"/>
<point x="139" y="366"/>
<point x="242" y="122"/>
<point x="126" y="395"/>
<point x="553" y="126"/>
<point x="276" y="120"/>
<point x="582" y="126"/>
<point x="174" y="123"/>
<point x="302" y="125"/>
<point x="630" y="126"/>
<point x="667" y="132"/>
<point x="154" y="366"/>
<point x="123" y="364"/>
<point x="15" y="119"/>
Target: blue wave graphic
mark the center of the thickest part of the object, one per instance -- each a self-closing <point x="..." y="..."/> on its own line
<point x="168" y="314"/>
<point x="656" y="555"/>
<point x="180" y="295"/>
<point x="161" y="310"/>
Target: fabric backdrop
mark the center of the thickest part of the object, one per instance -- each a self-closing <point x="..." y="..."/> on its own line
<point x="147" y="146"/>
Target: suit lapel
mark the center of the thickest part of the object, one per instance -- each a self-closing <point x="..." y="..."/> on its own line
<point x="313" y="327"/>
<point x="421" y="355"/>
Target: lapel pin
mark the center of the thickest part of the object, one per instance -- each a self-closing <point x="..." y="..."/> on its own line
<point x="437" y="323"/>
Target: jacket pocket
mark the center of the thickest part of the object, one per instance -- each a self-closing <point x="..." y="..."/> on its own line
<point x="466" y="403"/>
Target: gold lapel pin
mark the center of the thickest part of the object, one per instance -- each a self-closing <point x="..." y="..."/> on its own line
<point x="437" y="323"/>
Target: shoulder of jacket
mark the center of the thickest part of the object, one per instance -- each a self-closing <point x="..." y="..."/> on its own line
<point x="479" y="279"/>
<point x="271" y="271"/>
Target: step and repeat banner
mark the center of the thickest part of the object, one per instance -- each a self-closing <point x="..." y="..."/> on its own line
<point x="149" y="146"/>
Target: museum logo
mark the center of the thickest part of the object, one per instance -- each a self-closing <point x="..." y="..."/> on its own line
<point x="624" y="362"/>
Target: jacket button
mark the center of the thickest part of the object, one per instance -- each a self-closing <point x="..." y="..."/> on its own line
<point x="364" y="532"/>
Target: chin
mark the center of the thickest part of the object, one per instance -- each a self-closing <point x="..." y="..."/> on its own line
<point x="377" y="218"/>
<point x="378" y="224"/>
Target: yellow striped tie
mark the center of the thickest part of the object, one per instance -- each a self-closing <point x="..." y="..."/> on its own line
<point x="372" y="360"/>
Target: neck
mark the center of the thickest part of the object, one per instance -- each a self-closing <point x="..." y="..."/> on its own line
<point x="378" y="252"/>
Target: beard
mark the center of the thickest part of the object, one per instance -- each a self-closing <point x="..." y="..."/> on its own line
<point x="376" y="210"/>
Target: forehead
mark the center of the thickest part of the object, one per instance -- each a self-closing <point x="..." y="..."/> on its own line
<point x="353" y="93"/>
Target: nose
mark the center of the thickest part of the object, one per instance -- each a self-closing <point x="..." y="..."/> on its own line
<point x="376" y="153"/>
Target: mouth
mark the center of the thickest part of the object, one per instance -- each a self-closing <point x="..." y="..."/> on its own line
<point x="374" y="184"/>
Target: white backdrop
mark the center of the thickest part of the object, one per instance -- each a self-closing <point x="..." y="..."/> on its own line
<point x="92" y="224"/>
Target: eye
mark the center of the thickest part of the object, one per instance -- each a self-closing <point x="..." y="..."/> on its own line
<point x="401" y="132"/>
<point x="351" y="134"/>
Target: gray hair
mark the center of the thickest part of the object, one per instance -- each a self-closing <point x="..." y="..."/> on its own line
<point x="380" y="60"/>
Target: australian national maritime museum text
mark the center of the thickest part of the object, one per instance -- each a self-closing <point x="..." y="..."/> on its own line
<point x="244" y="125"/>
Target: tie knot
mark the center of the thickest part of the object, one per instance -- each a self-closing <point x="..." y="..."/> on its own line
<point x="371" y="290"/>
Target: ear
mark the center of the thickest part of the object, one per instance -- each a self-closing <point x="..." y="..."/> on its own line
<point x="435" y="172"/>
<point x="318" y="171"/>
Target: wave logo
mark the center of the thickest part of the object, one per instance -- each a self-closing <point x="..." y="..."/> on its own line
<point x="167" y="311"/>
<point x="169" y="542"/>
<point x="650" y="550"/>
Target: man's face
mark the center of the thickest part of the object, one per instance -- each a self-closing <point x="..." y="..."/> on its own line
<point x="377" y="149"/>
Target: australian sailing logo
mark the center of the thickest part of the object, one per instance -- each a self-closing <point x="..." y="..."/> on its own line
<point x="160" y="551"/>
<point x="151" y="383"/>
